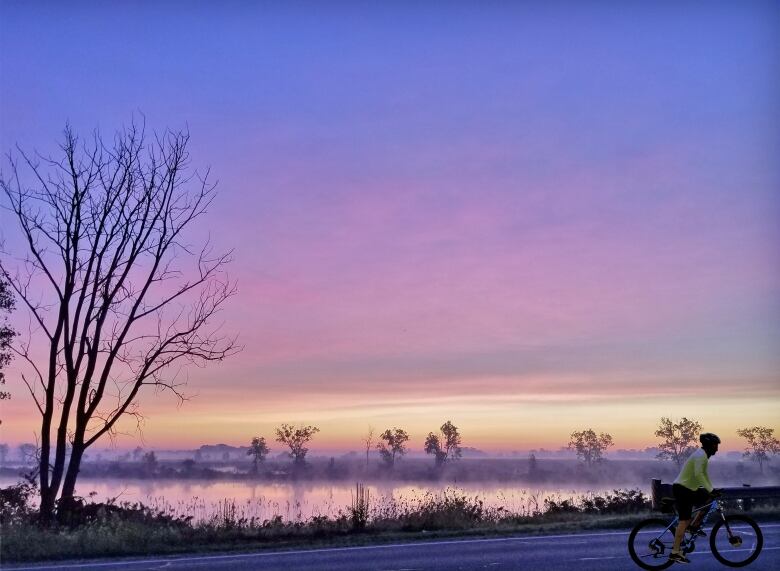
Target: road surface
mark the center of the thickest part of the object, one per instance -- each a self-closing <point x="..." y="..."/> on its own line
<point x="603" y="551"/>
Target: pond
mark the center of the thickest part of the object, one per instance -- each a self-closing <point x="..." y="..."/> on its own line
<point x="302" y="500"/>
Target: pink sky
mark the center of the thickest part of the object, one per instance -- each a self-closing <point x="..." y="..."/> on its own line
<point x="436" y="216"/>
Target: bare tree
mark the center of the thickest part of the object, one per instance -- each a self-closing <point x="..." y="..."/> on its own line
<point x="104" y="281"/>
<point x="444" y="446"/>
<point x="394" y="445"/>
<point x="296" y="438"/>
<point x="6" y="332"/>
<point x="368" y="440"/>
<point x="589" y="446"/>
<point x="761" y="443"/>
<point x="678" y="439"/>
<point x="258" y="450"/>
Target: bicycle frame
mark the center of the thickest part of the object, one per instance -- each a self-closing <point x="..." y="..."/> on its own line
<point x="712" y="507"/>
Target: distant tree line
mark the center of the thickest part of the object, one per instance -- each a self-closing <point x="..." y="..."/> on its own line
<point x="391" y="445"/>
<point x="677" y="440"/>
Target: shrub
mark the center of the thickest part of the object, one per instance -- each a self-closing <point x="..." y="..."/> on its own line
<point x="15" y="505"/>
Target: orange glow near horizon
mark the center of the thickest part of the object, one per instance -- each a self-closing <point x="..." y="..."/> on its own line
<point x="492" y="423"/>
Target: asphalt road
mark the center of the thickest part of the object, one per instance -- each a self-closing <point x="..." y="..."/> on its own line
<point x="587" y="551"/>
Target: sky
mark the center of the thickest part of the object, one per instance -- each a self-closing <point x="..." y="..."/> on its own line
<point x="527" y="218"/>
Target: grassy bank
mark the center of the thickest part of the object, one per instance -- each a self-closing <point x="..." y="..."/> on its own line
<point x="108" y="530"/>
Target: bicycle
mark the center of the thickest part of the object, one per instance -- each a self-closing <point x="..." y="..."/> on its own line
<point x="735" y="540"/>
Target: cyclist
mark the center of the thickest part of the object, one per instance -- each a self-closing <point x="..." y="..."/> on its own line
<point x="688" y="491"/>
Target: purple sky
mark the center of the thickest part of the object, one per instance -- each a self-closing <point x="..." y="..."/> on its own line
<point x="528" y="218"/>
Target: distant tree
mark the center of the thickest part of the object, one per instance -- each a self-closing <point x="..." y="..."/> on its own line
<point x="188" y="466"/>
<point x="533" y="465"/>
<point x="198" y="455"/>
<point x="589" y="446"/>
<point x="149" y="462"/>
<point x="444" y="446"/>
<point x="28" y="453"/>
<point x="761" y="443"/>
<point x="258" y="450"/>
<point x="678" y="439"/>
<point x="332" y="470"/>
<point x="296" y="437"/>
<point x="393" y="445"/>
<point x="138" y="453"/>
<point x="3" y="452"/>
<point x="368" y="441"/>
<point x="6" y="332"/>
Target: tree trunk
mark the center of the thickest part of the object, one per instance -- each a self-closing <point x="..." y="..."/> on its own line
<point x="69" y="485"/>
<point x="46" y="510"/>
<point x="47" y="497"/>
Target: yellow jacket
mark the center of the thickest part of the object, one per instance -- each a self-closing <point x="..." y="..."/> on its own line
<point x="694" y="472"/>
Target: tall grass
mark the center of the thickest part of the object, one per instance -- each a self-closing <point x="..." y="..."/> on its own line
<point x="359" y="510"/>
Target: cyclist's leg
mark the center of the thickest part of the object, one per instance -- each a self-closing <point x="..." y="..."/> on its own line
<point x="700" y="498"/>
<point x="679" y="534"/>
<point x="683" y="498"/>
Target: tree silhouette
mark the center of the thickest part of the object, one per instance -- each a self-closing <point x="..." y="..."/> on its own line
<point x="188" y="466"/>
<point x="296" y="438"/>
<point x="444" y="446"/>
<point x="678" y="439"/>
<point x="533" y="465"/>
<point x="589" y="446"/>
<point x="761" y="443"/>
<point x="368" y="441"/>
<point x="149" y="462"/>
<point x="104" y="282"/>
<point x="394" y="445"/>
<point x="29" y="454"/>
<point x="258" y="450"/>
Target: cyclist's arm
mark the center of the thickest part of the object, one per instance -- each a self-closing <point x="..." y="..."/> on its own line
<point x="700" y="471"/>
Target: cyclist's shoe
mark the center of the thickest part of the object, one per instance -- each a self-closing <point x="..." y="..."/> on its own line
<point x="678" y="558"/>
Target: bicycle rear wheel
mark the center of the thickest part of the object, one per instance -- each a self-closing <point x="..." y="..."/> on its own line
<point x="737" y="541"/>
<point x="650" y="543"/>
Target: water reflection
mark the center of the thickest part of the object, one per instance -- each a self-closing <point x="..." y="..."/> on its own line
<point x="302" y="500"/>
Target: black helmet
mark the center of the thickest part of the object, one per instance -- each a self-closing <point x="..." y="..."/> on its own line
<point x="709" y="438"/>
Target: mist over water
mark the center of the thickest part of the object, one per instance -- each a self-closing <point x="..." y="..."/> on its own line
<point x="306" y="499"/>
<point x="327" y="488"/>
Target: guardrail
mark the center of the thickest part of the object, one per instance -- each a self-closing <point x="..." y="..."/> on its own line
<point x="746" y="493"/>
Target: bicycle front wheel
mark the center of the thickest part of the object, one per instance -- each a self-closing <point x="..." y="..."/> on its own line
<point x="651" y="542"/>
<point x="737" y="541"/>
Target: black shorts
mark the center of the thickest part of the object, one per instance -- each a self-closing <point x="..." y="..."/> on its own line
<point x="685" y="499"/>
